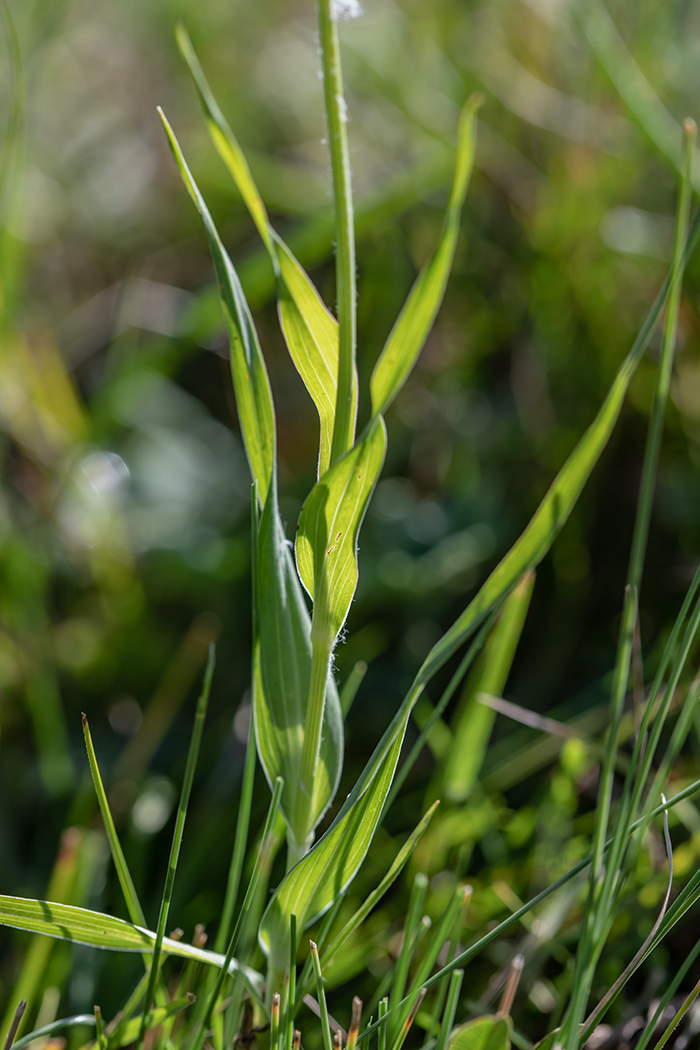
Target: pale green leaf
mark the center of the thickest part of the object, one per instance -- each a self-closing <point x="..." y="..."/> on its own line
<point x="473" y="721"/>
<point x="330" y="866"/>
<point x="408" y="335"/>
<point x="69" y="923"/>
<point x="252" y="386"/>
<point x="329" y="525"/>
<point x="483" y="1033"/>
<point x="283" y="674"/>
<point x="546" y="523"/>
<point x="310" y="330"/>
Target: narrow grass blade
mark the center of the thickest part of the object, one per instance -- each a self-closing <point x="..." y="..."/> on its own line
<point x="121" y="867"/>
<point x="239" y="842"/>
<point x="675" y="912"/>
<point x="55" y="1026"/>
<point x="283" y="676"/>
<point x="250" y="380"/>
<point x="555" y="508"/>
<point x="224" y="139"/>
<point x="416" y="319"/>
<point x="15" y="1022"/>
<point x="321" y="997"/>
<point x="413" y="918"/>
<point x="448" y="1018"/>
<point x="473" y="721"/>
<point x="190" y="767"/>
<point x="292" y="988"/>
<point x="260" y="862"/>
<point x="598" y="906"/>
<point x="310" y="330"/>
<point x="414" y="1004"/>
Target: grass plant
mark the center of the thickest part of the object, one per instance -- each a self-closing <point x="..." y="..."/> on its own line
<point x="270" y="976"/>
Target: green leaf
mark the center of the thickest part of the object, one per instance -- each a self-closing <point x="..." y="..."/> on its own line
<point x="330" y="866"/>
<point x="329" y="525"/>
<point x="253" y="395"/>
<point x="283" y="674"/>
<point x="311" y="334"/>
<point x="408" y="335"/>
<point x="483" y="1033"/>
<point x="474" y="721"/>
<point x="69" y="923"/>
<point x="309" y="329"/>
<point x="546" y="523"/>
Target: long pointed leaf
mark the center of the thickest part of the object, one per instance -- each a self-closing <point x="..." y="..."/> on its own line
<point x="309" y="329"/>
<point x="253" y="395"/>
<point x="408" y="335"/>
<point x="69" y="923"/>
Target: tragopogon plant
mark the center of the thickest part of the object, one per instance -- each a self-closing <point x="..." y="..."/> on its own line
<point x="301" y="601"/>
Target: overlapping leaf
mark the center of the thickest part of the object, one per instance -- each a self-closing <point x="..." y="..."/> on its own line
<point x="483" y="1033"/>
<point x="408" y="335"/>
<point x="69" y="923"/>
<point x="283" y="673"/>
<point x="252" y="386"/>
<point x="309" y="329"/>
<point x="315" y="882"/>
<point x="326" y="545"/>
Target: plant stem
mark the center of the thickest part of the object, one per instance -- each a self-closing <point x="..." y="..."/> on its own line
<point x="336" y="115"/>
<point x="320" y="657"/>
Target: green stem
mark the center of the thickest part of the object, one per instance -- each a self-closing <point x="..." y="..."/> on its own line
<point x="320" y="658"/>
<point x="336" y="115"/>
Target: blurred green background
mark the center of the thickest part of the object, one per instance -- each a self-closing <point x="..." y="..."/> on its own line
<point x="124" y="527"/>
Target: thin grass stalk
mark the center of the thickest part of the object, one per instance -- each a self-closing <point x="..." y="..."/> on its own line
<point x="415" y="999"/>
<point x="346" y="291"/>
<point x="469" y="953"/>
<point x="246" y="799"/>
<point x="448" y="1017"/>
<point x="381" y="1024"/>
<point x="443" y="987"/>
<point x="321" y="996"/>
<point x="351" y="685"/>
<point x="590" y="943"/>
<point x="126" y="882"/>
<point x="680" y="1014"/>
<point x="291" y="994"/>
<point x="275" y="1022"/>
<point x="250" y="892"/>
<point x="355" y="1019"/>
<point x="596" y="1014"/>
<point x="192" y="756"/>
<point x="413" y="917"/>
<point x="304" y="982"/>
<point x="669" y="993"/>
<point x="14" y="1026"/>
<point x="443" y="932"/>
<point x="99" y="1029"/>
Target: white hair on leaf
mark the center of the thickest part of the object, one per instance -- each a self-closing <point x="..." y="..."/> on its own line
<point x="343" y="9"/>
